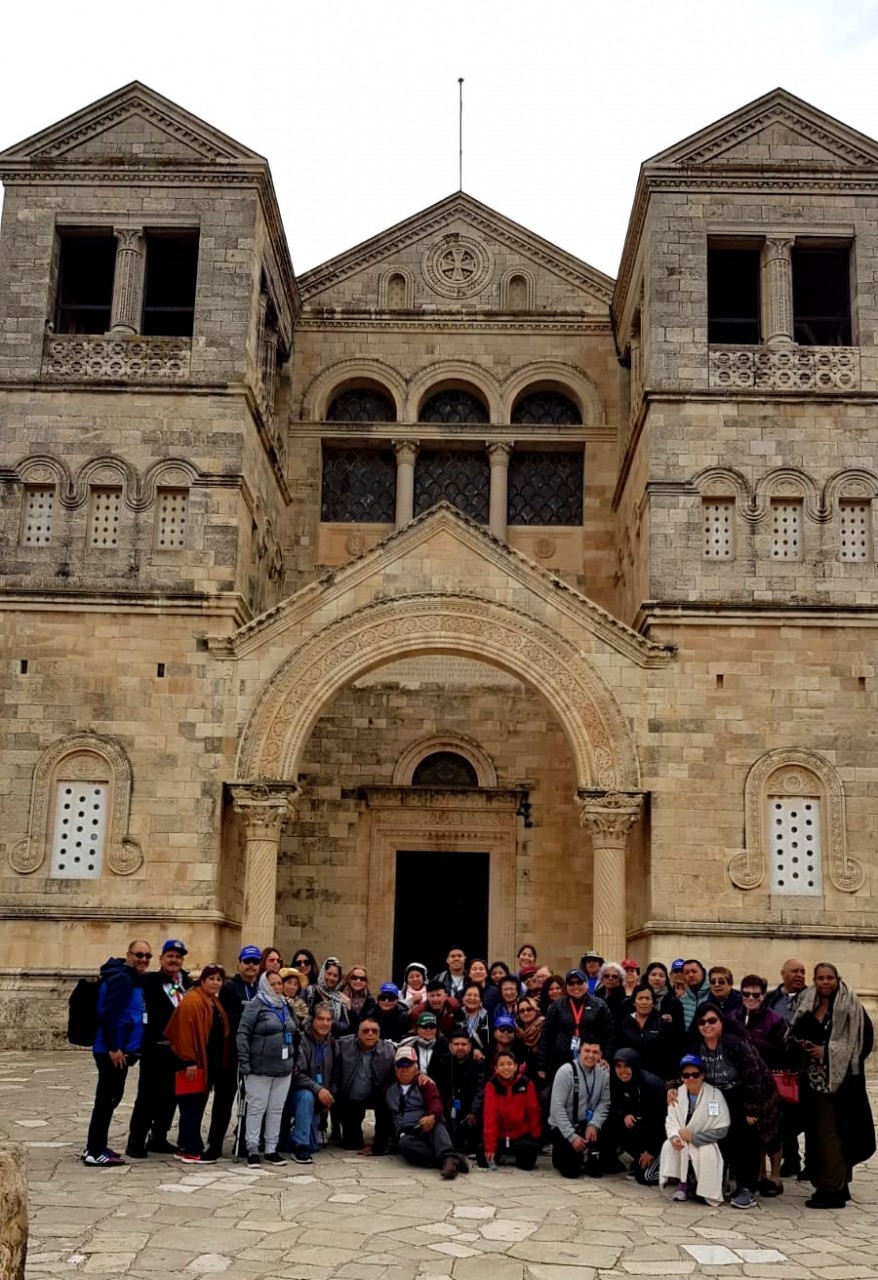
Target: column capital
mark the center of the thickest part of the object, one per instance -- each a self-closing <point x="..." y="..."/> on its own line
<point x="130" y="239"/>
<point x="609" y="815"/>
<point x="264" y="807"/>
<point x="499" y="451"/>
<point x="406" y="450"/>
<point x="779" y="246"/>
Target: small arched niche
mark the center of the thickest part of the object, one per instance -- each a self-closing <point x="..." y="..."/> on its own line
<point x="454" y="405"/>
<point x="445" y="763"/>
<point x="546" y="406"/>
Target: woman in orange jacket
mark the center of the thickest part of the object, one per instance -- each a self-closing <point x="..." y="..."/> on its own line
<point x="198" y="1033"/>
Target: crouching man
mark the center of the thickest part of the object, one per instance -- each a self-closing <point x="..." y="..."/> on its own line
<point x="413" y="1110"/>
<point x="580" y="1105"/>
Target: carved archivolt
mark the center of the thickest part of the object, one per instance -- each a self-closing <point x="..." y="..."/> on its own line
<point x="567" y="378"/>
<point x="792" y="771"/>
<point x="85" y="757"/>
<point x="349" y="373"/>
<point x="821" y="503"/>
<point x="600" y="738"/>
<point x="452" y="373"/>
<point x="463" y="746"/>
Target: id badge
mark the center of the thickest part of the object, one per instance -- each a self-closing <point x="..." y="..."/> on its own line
<point x="574" y="1045"/>
<point x="713" y="1108"/>
<point x="587" y="1115"/>
<point x="284" y="1053"/>
<point x="318" y="1079"/>
<point x="288" y="1037"/>
<point x="455" y="1106"/>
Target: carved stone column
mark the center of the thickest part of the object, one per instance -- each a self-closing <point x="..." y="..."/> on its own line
<point x="263" y="808"/>
<point x="128" y="281"/>
<point x="609" y="816"/>
<point x="777" y="291"/>
<point x="406" y="452"/>
<point x="498" y="456"/>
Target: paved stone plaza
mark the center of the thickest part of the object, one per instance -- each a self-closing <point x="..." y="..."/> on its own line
<point x="352" y="1218"/>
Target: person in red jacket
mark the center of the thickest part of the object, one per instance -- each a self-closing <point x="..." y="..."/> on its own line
<point x="512" y="1120"/>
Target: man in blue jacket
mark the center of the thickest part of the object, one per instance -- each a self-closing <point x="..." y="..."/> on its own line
<point x="117" y="1043"/>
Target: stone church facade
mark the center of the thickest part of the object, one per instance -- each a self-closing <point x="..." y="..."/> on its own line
<point x="448" y="592"/>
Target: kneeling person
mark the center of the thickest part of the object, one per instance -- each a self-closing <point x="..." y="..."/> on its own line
<point x="413" y="1110"/>
<point x="696" y="1121"/>
<point x="513" y="1121"/>
<point x="580" y="1105"/>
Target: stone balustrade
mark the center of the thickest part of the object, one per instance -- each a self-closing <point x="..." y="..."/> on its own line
<point x="118" y="358"/>
<point x="789" y="368"/>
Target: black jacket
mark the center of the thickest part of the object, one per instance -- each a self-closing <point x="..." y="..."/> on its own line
<point x="159" y="1007"/>
<point x="310" y="1064"/>
<point x="394" y="1023"/>
<point x="659" y="1043"/>
<point x="560" y="1027"/>
<point x="642" y="1096"/>
<point x="234" y="995"/>
<point x="345" y="1066"/>
<point x="464" y="1081"/>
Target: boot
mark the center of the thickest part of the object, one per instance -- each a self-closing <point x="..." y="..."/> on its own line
<point x="462" y="1164"/>
<point x="449" y="1168"/>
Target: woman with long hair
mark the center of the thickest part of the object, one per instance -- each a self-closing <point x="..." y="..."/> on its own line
<point x="833" y="1033"/>
<point x="553" y="989"/>
<point x="355" y="985"/>
<point x="199" y="1035"/>
<point x="270" y="961"/>
<point x="528" y="1029"/>
<point x="305" y="962"/>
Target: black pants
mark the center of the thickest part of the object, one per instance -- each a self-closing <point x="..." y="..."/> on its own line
<point x="467" y="1138"/>
<point x="350" y="1119"/>
<point x="792" y="1124"/>
<point x="109" y="1092"/>
<point x="192" y="1108"/>
<point x="426" y="1149"/>
<point x="156" y="1101"/>
<point x="568" y="1162"/>
<point x="524" y="1151"/>
<point x="742" y="1150"/>
<point x="225" y="1092"/>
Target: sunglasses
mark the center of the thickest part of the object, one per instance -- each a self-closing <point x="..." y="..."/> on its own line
<point x="691" y="1075"/>
<point x="358" y="977"/>
<point x="709" y="1022"/>
<point x="752" y="995"/>
<point x="141" y="955"/>
<point x="719" y="982"/>
<point x="387" y="999"/>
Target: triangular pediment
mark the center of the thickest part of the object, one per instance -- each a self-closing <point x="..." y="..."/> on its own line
<point x="441" y="551"/>
<point x="505" y="246"/>
<point x="134" y="124"/>
<point x="778" y="130"/>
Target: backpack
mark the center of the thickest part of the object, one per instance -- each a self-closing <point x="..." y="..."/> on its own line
<point x="82" y="1012"/>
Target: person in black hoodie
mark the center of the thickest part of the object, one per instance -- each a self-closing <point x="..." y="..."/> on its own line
<point x="636" y="1123"/>
<point x="156" y="1100"/>
<point x="461" y="1083"/>
<point x="571" y="1021"/>
<point x="237" y="992"/>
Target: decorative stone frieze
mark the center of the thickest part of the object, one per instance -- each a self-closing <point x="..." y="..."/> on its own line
<point x="789" y="368"/>
<point x="119" y="358"/>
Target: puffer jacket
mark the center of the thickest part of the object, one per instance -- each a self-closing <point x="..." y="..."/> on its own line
<point x="511" y="1110"/>
<point x="120" y="1008"/>
<point x="261" y="1040"/>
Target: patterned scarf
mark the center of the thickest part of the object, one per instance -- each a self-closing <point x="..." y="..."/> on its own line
<point x="845" y="1046"/>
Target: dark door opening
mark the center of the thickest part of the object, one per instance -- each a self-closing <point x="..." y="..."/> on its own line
<point x="441" y="902"/>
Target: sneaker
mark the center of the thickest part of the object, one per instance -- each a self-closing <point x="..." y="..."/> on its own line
<point x="136" y="1153"/>
<point x="274" y="1157"/>
<point x="682" y="1193"/>
<point x="743" y="1199"/>
<point x="188" y="1157"/>
<point x="160" y="1146"/>
<point x="106" y="1160"/>
<point x="210" y="1157"/>
<point x="301" y="1155"/>
<point x="255" y="1158"/>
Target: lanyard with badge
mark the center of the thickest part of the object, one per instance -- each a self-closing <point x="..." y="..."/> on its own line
<point x="589" y="1089"/>
<point x="319" y="1055"/>
<point x="281" y="1015"/>
<point x="576" y="1015"/>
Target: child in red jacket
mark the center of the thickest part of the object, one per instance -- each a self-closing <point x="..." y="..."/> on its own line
<point x="511" y="1118"/>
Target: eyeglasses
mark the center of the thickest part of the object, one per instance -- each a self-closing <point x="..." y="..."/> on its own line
<point x="709" y="1022"/>
<point x="691" y="1075"/>
<point x="611" y="977"/>
<point x="752" y="995"/>
<point x="718" y="982"/>
<point x="358" y="977"/>
<point x="387" y="999"/>
<point x="368" y="1031"/>
<point x="576" y="982"/>
<point x="141" y="955"/>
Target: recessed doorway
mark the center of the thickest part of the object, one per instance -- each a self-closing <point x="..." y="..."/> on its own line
<point x="441" y="901"/>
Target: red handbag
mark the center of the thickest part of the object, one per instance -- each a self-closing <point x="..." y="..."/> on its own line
<point x="787" y="1084"/>
<point x="182" y="1085"/>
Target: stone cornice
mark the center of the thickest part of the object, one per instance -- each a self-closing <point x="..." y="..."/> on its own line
<point x="689" y="613"/>
<point x="755" y="928"/>
<point x="227" y="605"/>
<point x="461" y="322"/>
<point x="436" y="218"/>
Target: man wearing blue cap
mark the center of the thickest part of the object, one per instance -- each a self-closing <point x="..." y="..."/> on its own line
<point x="392" y="1016"/>
<point x="238" y="991"/>
<point x="156" y="1101"/>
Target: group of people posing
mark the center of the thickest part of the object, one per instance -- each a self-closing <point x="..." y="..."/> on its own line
<point x="673" y="1076"/>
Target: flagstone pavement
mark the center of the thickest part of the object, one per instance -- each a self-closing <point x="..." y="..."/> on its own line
<point x="354" y="1218"/>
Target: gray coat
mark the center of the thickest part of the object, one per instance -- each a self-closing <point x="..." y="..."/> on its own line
<point x="260" y="1041"/>
<point x="594" y="1090"/>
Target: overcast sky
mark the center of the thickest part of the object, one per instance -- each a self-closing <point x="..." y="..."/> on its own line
<point x="356" y="104"/>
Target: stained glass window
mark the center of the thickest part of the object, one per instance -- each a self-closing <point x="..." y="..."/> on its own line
<point x="546" y="409"/>
<point x="359" y="486"/>
<point x="545" y="487"/>
<point x="362" y="404"/>
<point x="454" y="407"/>
<point x="460" y="476"/>
<point x="445" y="769"/>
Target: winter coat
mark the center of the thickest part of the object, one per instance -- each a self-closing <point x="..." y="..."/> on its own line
<point x="767" y="1032"/>
<point x="511" y="1110"/>
<point x="657" y="1042"/>
<point x="404" y="1110"/>
<point x="347" y="1059"/>
<point x="691" y="998"/>
<point x="234" y="998"/>
<point x="461" y="1082"/>
<point x="267" y="1040"/>
<point x="643" y="1096"/>
<point x="310" y="1063"/>
<point x="190" y="1026"/>
<point x="120" y="1008"/>
<point x="755" y="1093"/>
<point x="560" y="1027"/>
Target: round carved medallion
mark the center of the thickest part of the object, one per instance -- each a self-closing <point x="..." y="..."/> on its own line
<point x="457" y="266"/>
<point x="544" y="548"/>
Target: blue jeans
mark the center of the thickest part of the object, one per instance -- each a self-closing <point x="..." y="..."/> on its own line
<point x="305" y="1121"/>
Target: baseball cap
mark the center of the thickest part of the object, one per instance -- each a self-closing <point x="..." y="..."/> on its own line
<point x="427" y="1020"/>
<point x="407" y="1053"/>
<point x="691" y="1060"/>
<point x="574" y="975"/>
<point x="174" y="944"/>
<point x="630" y="964"/>
<point x="503" y="1022"/>
<point x="250" y="953"/>
<point x="389" y="989"/>
<point x="677" y="965"/>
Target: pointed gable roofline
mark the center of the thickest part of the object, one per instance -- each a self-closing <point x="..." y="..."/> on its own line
<point x="443" y="516"/>
<point x="434" y="218"/>
<point x="697" y="162"/>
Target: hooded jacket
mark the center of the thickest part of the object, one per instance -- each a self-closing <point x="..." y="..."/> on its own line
<point x="643" y="1096"/>
<point x="120" y="1008"/>
<point x="263" y="1034"/>
<point x="511" y="1110"/>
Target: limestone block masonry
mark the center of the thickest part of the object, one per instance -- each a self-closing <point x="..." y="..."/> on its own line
<point x="596" y="558"/>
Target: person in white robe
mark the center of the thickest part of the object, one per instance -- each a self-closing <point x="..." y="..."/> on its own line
<point x="697" y="1120"/>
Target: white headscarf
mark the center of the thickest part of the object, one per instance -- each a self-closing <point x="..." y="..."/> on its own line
<point x="265" y="993"/>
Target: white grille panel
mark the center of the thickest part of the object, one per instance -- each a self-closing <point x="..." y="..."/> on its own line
<point x="786" y="530"/>
<point x="794" y="837"/>
<point x="855" y="536"/>
<point x="718" y="528"/>
<point x="80" y="830"/>
<point x="39" y="506"/>
<point x="106" y="507"/>
<point x="171" y="516"/>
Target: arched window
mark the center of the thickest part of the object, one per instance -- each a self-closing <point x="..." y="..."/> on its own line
<point x="362" y="404"/>
<point x="516" y="294"/>
<point x="546" y="409"/>
<point x="445" y="769"/>
<point x="396" y="292"/>
<point x="453" y="407"/>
